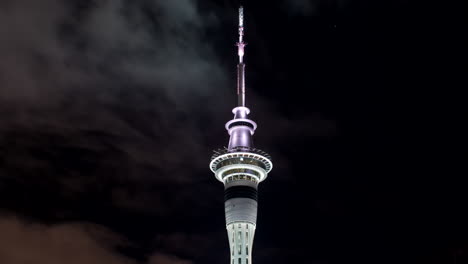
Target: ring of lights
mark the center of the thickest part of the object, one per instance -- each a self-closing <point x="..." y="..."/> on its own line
<point x="226" y="178"/>
<point x="240" y="172"/>
<point x="261" y="171"/>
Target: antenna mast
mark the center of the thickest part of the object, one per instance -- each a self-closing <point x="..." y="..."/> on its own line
<point x="241" y="65"/>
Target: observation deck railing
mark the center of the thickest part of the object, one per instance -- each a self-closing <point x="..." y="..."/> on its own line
<point x="219" y="152"/>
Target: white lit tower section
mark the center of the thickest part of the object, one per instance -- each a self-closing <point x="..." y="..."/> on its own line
<point x="241" y="168"/>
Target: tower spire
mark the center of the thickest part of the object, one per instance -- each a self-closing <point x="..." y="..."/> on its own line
<point x="241" y="65"/>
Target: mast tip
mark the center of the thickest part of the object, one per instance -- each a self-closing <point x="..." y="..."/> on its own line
<point x="241" y="16"/>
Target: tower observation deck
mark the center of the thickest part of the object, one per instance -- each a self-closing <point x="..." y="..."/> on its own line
<point x="241" y="167"/>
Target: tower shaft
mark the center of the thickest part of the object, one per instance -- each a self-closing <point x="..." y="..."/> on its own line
<point x="241" y="216"/>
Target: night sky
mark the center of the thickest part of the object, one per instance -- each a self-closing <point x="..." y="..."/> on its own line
<point x="110" y="110"/>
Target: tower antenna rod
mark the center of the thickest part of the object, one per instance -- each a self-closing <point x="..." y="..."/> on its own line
<point x="241" y="65"/>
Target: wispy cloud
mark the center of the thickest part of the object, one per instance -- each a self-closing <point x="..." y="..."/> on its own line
<point x="75" y="243"/>
<point x="311" y="7"/>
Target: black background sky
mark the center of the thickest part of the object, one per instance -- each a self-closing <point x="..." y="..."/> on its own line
<point x="109" y="111"/>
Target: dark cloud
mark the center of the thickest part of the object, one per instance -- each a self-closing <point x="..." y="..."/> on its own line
<point x="301" y="7"/>
<point x="100" y="85"/>
<point x="163" y="259"/>
<point x="103" y="44"/>
<point x="311" y="7"/>
<point x="68" y="243"/>
<point x="75" y="243"/>
<point x="96" y="101"/>
<point x="176" y="243"/>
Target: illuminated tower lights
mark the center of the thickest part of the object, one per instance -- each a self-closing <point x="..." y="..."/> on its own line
<point x="241" y="168"/>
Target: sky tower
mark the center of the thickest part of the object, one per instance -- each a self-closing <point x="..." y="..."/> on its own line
<point x="241" y="168"/>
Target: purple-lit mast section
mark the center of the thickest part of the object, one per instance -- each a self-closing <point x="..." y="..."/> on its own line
<point x="240" y="128"/>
